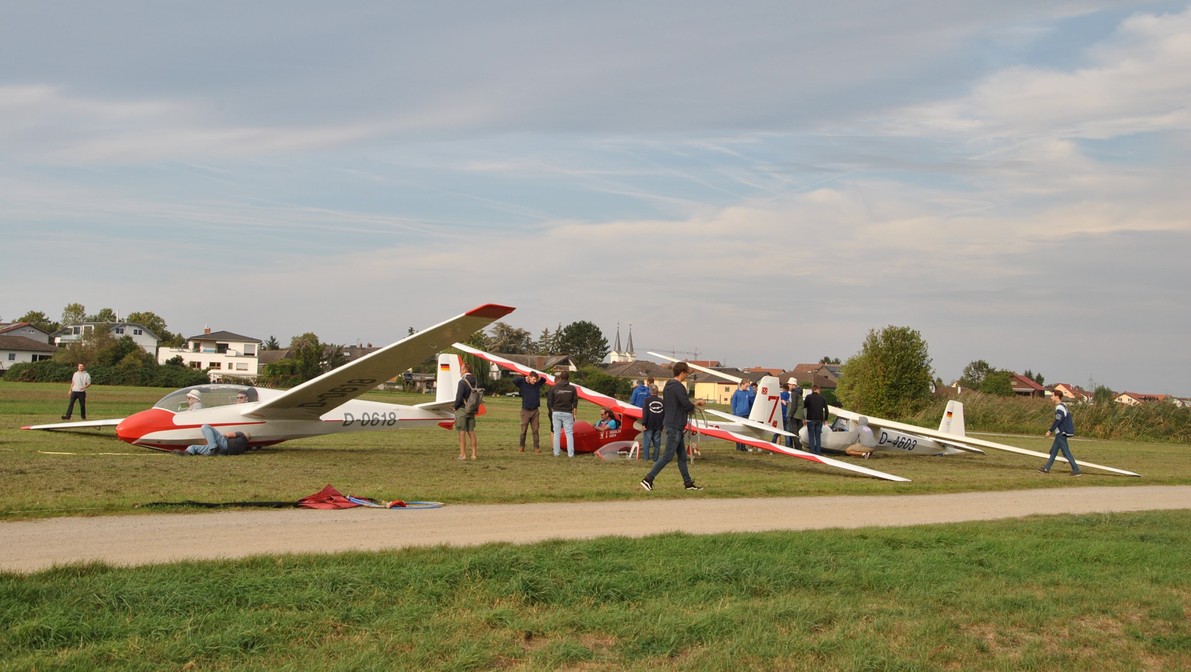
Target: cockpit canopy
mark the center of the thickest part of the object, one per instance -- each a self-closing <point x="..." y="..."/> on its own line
<point x="210" y="395"/>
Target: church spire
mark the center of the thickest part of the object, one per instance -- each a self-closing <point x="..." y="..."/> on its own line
<point x="632" y="355"/>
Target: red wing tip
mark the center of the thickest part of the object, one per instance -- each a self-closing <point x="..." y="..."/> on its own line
<point x="491" y="311"/>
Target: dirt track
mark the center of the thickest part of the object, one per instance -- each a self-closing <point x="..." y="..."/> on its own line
<point x="136" y="540"/>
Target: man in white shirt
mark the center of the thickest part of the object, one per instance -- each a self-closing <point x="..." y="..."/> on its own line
<point x="79" y="383"/>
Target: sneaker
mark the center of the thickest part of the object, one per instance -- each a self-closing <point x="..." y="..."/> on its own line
<point x="692" y="486"/>
<point x="1044" y="470"/>
<point x="66" y="417"/>
<point x="1077" y="473"/>
<point x="867" y="455"/>
<point x="647" y="485"/>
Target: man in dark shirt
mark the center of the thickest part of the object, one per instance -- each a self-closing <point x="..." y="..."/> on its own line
<point x="653" y="414"/>
<point x="676" y="405"/>
<point x="562" y="400"/>
<point x="531" y="403"/>
<point x="465" y="422"/>
<point x="816" y="415"/>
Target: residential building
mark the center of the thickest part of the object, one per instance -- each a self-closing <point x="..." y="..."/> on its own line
<point x="1024" y="386"/>
<point x="1136" y="398"/>
<point x="139" y="334"/>
<point x="223" y="353"/>
<point x="825" y="376"/>
<point x="16" y="349"/>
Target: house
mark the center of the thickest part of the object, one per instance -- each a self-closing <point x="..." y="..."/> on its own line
<point x="223" y="353"/>
<point x="825" y="376"/>
<point x="551" y="364"/>
<point x="1024" y="386"/>
<point x="147" y="340"/>
<point x="1073" y="393"/>
<point x="1137" y="398"/>
<point x="24" y="329"/>
<point x="17" y="349"/>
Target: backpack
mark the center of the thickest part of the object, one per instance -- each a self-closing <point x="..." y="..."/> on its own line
<point x="471" y="405"/>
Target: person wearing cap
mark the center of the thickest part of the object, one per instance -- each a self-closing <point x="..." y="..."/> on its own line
<point x="795" y="413"/>
<point x="194" y="400"/>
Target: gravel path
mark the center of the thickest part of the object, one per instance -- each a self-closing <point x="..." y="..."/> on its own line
<point x="28" y="546"/>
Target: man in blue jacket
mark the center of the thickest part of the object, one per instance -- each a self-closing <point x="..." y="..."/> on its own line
<point x="1063" y="428"/>
<point x="742" y="405"/>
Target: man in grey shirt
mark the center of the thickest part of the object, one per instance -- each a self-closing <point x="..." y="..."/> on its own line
<point x="79" y="383"/>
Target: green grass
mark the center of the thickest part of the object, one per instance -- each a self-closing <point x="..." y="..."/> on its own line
<point x="1096" y="592"/>
<point x="1103" y="592"/>
<point x="102" y="475"/>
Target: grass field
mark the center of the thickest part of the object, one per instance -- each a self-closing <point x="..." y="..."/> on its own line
<point x="1103" y="592"/>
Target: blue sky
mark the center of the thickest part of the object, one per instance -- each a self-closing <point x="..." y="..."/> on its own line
<point x="758" y="182"/>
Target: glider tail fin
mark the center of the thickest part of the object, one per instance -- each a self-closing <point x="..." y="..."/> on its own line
<point x="448" y="378"/>
<point x="767" y="407"/>
<point x="953" y="419"/>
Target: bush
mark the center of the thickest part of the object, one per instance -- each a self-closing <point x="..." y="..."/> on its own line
<point x="125" y="373"/>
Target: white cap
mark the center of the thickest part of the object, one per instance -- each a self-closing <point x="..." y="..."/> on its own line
<point x="194" y="393"/>
<point x="792" y="381"/>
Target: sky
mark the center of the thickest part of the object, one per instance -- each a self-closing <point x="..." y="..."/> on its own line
<point x="757" y="182"/>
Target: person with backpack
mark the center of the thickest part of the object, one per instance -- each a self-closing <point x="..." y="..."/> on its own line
<point x="465" y="412"/>
<point x="795" y="414"/>
<point x="561" y="401"/>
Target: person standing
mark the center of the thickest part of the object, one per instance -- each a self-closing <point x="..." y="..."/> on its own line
<point x="562" y="400"/>
<point x="784" y="401"/>
<point x="741" y="404"/>
<point x="531" y="403"/>
<point x="795" y="412"/>
<point x="79" y="382"/>
<point x="1063" y="428"/>
<point x="676" y="405"/>
<point x="640" y="392"/>
<point x="465" y="422"/>
<point x="653" y="414"/>
<point x="816" y="415"/>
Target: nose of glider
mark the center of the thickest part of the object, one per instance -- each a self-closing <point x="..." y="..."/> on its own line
<point x="139" y="425"/>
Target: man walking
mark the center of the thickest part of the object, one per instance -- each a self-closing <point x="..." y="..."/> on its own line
<point x="1063" y="428"/>
<point x="677" y="405"/>
<point x="79" y="383"/>
<point x="531" y="402"/>
<point x="816" y="415"/>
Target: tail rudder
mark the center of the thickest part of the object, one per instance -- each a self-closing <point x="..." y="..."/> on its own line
<point x="448" y="377"/>
<point x="767" y="407"/>
<point x="953" y="419"/>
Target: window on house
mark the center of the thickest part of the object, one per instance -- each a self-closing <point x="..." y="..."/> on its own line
<point x="215" y="365"/>
<point x="250" y="349"/>
<point x="196" y="365"/>
<point x="12" y="356"/>
<point x="137" y="332"/>
<point x="119" y="330"/>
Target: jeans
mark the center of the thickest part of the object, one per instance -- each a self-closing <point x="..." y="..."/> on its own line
<point x="216" y="443"/>
<point x="81" y="397"/>
<point x="651" y="437"/>
<point x="566" y="423"/>
<point x="675" y="445"/>
<point x="1061" y="444"/>
<point x="815" y="429"/>
<point x="529" y="420"/>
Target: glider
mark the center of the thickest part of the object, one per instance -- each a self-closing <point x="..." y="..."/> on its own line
<point x="328" y="404"/>
<point x="732" y="429"/>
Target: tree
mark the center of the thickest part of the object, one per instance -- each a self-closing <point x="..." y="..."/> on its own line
<point x="156" y="324"/>
<point x="1036" y="377"/>
<point x="547" y="343"/>
<point x="890" y="375"/>
<point x="998" y="382"/>
<point x="829" y="360"/>
<point x="1103" y="395"/>
<point x="974" y="374"/>
<point x="104" y="315"/>
<point x="584" y="342"/>
<point x="511" y="340"/>
<point x="73" y="313"/>
<point x="307" y="354"/>
<point x="272" y="344"/>
<point x="39" y="320"/>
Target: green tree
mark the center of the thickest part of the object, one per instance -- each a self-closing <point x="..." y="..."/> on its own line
<point x="998" y="382"/>
<point x="510" y="340"/>
<point x="584" y="342"/>
<point x="104" y="315"/>
<point x="1103" y="395"/>
<point x="829" y="360"/>
<point x="974" y="373"/>
<point x="1036" y="377"/>
<point x="890" y="375"/>
<point x="308" y="356"/>
<point x="39" y="320"/>
<point x="547" y="343"/>
<point x="156" y="324"/>
<point x="272" y="344"/>
<point x="74" y="313"/>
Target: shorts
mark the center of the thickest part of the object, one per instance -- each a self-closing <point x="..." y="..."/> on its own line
<point x="464" y="421"/>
